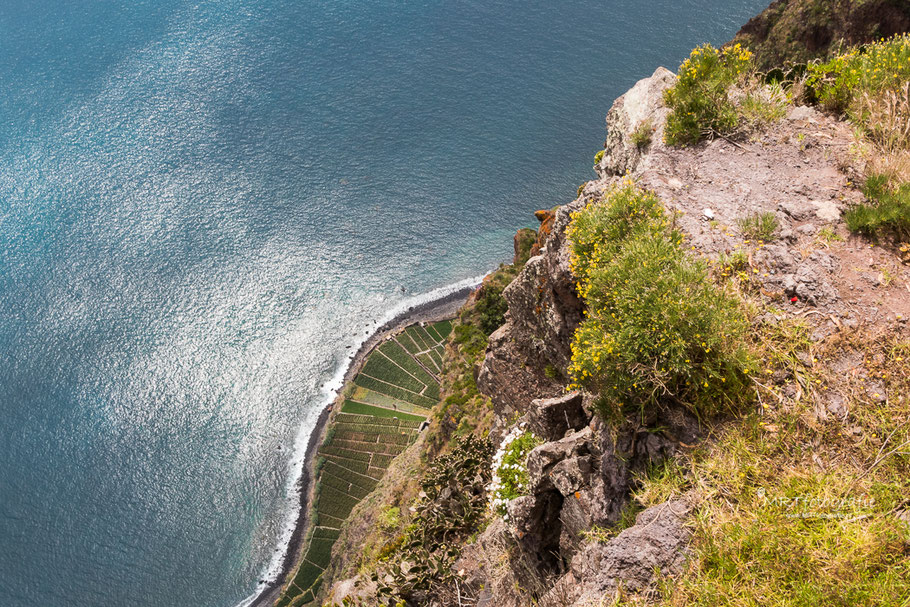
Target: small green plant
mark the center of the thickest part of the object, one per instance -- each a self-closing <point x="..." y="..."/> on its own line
<point x="699" y="102"/>
<point x="827" y="235"/>
<point x="763" y="105"/>
<point x="887" y="213"/>
<point x="389" y="517"/>
<point x="737" y="261"/>
<point x="597" y="158"/>
<point x="759" y="226"/>
<point x="641" y="136"/>
<point x="656" y="327"/>
<point x="510" y="473"/>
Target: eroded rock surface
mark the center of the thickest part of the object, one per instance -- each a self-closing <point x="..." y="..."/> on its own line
<point x="656" y="544"/>
<point x="641" y="110"/>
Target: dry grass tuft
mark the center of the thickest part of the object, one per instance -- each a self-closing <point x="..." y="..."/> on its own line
<point x="801" y="503"/>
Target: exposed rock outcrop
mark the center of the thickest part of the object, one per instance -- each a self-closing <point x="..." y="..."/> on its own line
<point x="528" y="355"/>
<point x="638" y="114"/>
<point x="551" y="418"/>
<point x="583" y="479"/>
<point x="656" y="545"/>
<point x="799" y="172"/>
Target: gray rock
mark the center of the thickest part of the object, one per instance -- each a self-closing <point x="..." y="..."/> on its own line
<point x="776" y="257"/>
<point x="836" y="405"/>
<point x="573" y="474"/>
<point x="656" y="544"/>
<point x="536" y="527"/>
<point x="788" y="236"/>
<point x="802" y="113"/>
<point x="796" y="209"/>
<point x="641" y="105"/>
<point x="551" y="418"/>
<point x="544" y="458"/>
<point x="544" y="311"/>
<point x="826" y="210"/>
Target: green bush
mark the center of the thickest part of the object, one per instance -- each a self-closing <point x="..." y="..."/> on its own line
<point x="699" y="102"/>
<point x="525" y="239"/>
<point x="597" y="158"/>
<point x="873" y="68"/>
<point x="491" y="308"/>
<point x="888" y="213"/>
<point x="655" y="328"/>
<point x="471" y="340"/>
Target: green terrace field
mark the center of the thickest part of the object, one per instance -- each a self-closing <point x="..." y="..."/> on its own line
<point x="390" y="397"/>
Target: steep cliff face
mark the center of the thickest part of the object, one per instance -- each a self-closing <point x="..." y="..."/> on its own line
<point x="526" y="355"/>
<point x="573" y="537"/>
<point x="801" y="30"/>
<point x="800" y="173"/>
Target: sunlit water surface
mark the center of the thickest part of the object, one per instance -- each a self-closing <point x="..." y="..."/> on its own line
<point x="204" y="208"/>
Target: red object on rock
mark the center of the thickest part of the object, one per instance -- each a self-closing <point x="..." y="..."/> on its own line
<point x="794" y="299"/>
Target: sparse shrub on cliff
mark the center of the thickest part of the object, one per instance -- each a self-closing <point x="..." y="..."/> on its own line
<point x="700" y="101"/>
<point x="873" y="68"/>
<point x="525" y="239"/>
<point x="419" y="568"/>
<point x="641" y="136"/>
<point x="870" y="86"/>
<point x="656" y="327"/>
<point x="762" y="104"/>
<point x="597" y="158"/>
<point x="491" y="307"/>
<point x="464" y="409"/>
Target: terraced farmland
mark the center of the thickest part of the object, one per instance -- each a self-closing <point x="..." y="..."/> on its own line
<point x="390" y="398"/>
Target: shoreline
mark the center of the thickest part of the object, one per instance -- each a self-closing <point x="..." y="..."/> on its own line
<point x="442" y="308"/>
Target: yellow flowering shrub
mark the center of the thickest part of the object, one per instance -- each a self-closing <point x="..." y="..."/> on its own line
<point x="873" y="68"/>
<point x="656" y="328"/>
<point x="699" y="101"/>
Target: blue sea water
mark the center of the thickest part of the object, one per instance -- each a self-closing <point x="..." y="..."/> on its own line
<point x="204" y="208"/>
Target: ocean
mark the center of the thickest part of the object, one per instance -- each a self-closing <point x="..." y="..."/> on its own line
<point x="206" y="206"/>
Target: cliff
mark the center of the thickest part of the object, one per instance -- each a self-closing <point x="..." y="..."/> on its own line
<point x="802" y="30"/>
<point x="795" y="485"/>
